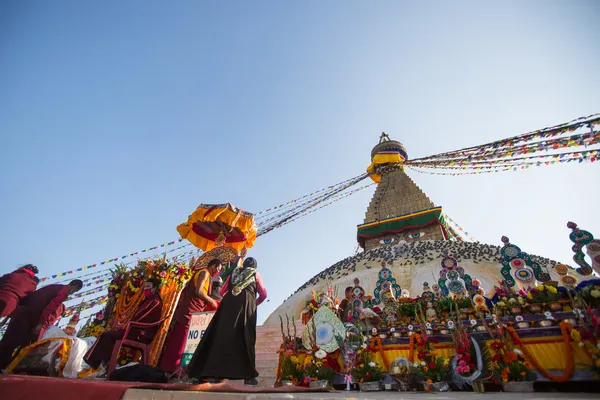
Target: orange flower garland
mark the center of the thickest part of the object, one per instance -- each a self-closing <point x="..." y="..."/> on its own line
<point x="565" y="327"/>
<point x="127" y="305"/>
<point x="411" y="346"/>
<point x="377" y="345"/>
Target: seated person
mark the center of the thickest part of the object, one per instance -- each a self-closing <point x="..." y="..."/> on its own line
<point x="149" y="311"/>
<point x="217" y="284"/>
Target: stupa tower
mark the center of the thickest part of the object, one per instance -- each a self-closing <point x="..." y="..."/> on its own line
<point x="399" y="211"/>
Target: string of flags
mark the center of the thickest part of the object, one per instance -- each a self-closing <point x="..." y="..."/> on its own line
<point x="112" y="260"/>
<point x="312" y="210"/>
<point x="590" y="122"/>
<point x="456" y="226"/>
<point x="91" y="291"/>
<point x="85" y="305"/>
<point x="509" y="167"/>
<point x="261" y="214"/>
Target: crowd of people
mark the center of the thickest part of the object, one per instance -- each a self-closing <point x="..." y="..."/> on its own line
<point x="230" y="336"/>
<point x="31" y="311"/>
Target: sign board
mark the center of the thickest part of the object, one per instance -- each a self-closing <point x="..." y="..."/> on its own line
<point x="198" y="324"/>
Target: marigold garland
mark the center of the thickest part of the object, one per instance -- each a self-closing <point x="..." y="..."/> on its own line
<point x="127" y="305"/>
<point x="377" y="346"/>
<point x="411" y="347"/>
<point x="565" y="327"/>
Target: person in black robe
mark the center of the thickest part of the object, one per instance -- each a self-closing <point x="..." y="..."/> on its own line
<point x="226" y="350"/>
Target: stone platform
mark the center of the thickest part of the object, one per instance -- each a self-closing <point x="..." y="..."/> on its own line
<point x="141" y="394"/>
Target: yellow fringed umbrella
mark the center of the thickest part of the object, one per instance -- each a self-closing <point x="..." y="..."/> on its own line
<point x="216" y="225"/>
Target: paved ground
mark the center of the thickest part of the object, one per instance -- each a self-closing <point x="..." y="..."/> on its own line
<point x="140" y="394"/>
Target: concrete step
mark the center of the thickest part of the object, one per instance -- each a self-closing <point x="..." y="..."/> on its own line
<point x="264" y="355"/>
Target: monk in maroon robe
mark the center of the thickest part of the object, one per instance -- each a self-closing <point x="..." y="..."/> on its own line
<point x="15" y="286"/>
<point x="149" y="311"/>
<point x="36" y="312"/>
<point x="195" y="297"/>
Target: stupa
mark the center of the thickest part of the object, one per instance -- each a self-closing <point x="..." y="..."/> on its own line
<point x="407" y="233"/>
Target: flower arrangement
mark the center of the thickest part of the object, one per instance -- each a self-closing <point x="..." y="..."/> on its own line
<point x="93" y="328"/>
<point x="444" y="305"/>
<point x="465" y="354"/>
<point x="317" y="368"/>
<point x="366" y="369"/>
<point x="290" y="367"/>
<point x="543" y="294"/>
<point x="432" y="367"/>
<point x="591" y="295"/>
<point x="508" y="363"/>
<point x="407" y="307"/>
<point x="463" y="302"/>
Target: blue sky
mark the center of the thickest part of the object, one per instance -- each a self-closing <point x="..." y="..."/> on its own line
<point x="117" y="120"/>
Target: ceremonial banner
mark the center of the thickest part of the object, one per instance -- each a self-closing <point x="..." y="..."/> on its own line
<point x="198" y="325"/>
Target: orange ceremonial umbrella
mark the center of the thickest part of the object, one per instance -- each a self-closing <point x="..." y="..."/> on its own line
<point x="215" y="225"/>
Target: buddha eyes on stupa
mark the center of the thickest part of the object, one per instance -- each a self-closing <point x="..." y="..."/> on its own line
<point x="387" y="241"/>
<point x="415" y="235"/>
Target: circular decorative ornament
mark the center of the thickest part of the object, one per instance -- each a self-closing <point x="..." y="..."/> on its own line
<point x="561" y="269"/>
<point x="449" y="263"/>
<point x="384" y="273"/>
<point x="455" y="286"/>
<point x="524" y="275"/>
<point x="517" y="263"/>
<point x="427" y="296"/>
<point x="478" y="300"/>
<point x="568" y="280"/>
<point x="452" y="275"/>
<point x="443" y="274"/>
<point x="593" y="247"/>
<point x="511" y="251"/>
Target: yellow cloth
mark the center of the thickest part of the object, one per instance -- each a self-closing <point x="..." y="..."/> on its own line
<point x="206" y="287"/>
<point x="392" y="158"/>
<point x="549" y="352"/>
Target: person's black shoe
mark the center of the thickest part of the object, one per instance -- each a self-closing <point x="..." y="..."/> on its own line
<point x="251" y="382"/>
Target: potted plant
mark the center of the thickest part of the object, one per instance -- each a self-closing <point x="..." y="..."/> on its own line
<point x="470" y="363"/>
<point x="406" y="309"/>
<point x="290" y="369"/>
<point x="432" y="370"/>
<point x="547" y="295"/>
<point x="367" y="373"/>
<point x="317" y="373"/>
<point x="509" y="366"/>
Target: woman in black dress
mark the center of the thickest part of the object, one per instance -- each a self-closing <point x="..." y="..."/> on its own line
<point x="226" y="350"/>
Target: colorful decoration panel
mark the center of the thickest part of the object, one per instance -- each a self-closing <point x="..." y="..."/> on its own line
<point x="518" y="265"/>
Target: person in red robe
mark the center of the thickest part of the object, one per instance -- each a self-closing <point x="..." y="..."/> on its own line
<point x="36" y="312"/>
<point x="344" y="303"/>
<point x="15" y="286"/>
<point x="195" y="297"/>
<point x="149" y="311"/>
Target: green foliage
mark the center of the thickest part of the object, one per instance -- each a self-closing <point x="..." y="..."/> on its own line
<point x="366" y="369"/>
